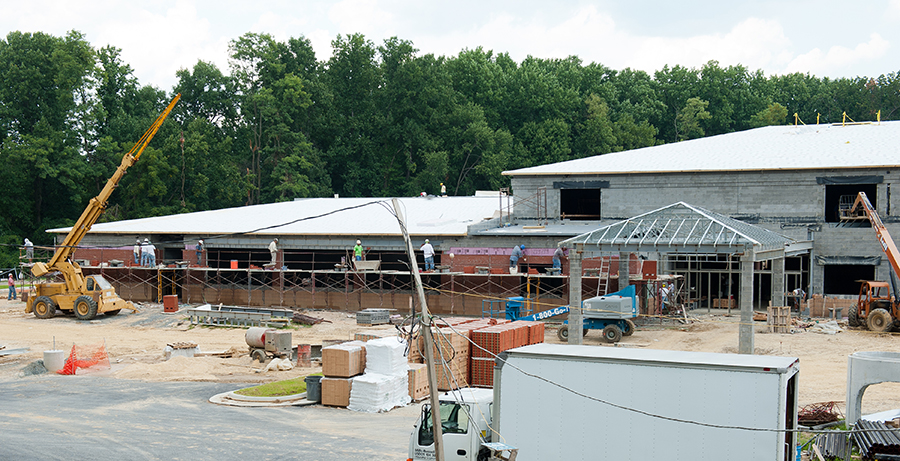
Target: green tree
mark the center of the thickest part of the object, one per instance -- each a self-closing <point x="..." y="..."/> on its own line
<point x="775" y="114"/>
<point x="689" y="119"/>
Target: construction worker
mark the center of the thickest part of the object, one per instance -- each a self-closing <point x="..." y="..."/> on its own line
<point x="358" y="251"/>
<point x="428" y="251"/>
<point x="12" y="287"/>
<point x="199" y="249"/>
<point x="137" y="251"/>
<point x="29" y="250"/>
<point x="557" y="257"/>
<point x="273" y="250"/>
<point x="518" y="251"/>
<point x="443" y="190"/>
<point x="148" y="254"/>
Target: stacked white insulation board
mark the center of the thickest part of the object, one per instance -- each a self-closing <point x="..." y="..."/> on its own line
<point x="384" y="385"/>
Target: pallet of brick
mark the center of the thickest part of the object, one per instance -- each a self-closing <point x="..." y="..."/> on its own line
<point x="779" y="319"/>
<point x="336" y="391"/>
<point x="451" y="355"/>
<point x="535" y="331"/>
<point x="452" y="321"/>
<point x="492" y="340"/>
<point x="344" y="360"/>
<point x="418" y="381"/>
<point x="369" y="335"/>
<point x="482" y="374"/>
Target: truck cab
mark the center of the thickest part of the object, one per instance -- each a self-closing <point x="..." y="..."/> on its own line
<point x="465" y="423"/>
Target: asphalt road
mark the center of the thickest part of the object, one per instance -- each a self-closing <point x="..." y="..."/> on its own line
<point x="98" y="418"/>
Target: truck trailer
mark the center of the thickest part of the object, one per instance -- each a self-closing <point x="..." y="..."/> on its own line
<point x="586" y="402"/>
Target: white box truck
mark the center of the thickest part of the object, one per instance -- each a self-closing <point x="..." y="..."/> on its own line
<point x="587" y="402"/>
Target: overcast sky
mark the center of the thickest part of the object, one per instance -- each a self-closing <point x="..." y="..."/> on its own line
<point x="825" y="38"/>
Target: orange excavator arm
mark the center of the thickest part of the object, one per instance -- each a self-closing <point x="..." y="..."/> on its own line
<point x="95" y="208"/>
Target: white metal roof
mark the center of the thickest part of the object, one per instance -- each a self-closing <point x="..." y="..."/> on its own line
<point x="763" y="363"/>
<point x="786" y="147"/>
<point x="432" y="216"/>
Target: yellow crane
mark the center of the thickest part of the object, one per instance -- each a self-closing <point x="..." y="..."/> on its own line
<point x="91" y="295"/>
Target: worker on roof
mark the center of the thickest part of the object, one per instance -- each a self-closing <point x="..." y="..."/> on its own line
<point x="148" y="254"/>
<point x="518" y="251"/>
<point x="273" y="250"/>
<point x="443" y="190"/>
<point x="557" y="257"/>
<point x="358" y="251"/>
<point x="428" y="251"/>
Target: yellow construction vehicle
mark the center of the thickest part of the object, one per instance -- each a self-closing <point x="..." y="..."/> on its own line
<point x="91" y="295"/>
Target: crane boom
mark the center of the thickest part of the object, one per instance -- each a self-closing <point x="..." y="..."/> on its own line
<point x="95" y="208"/>
<point x="884" y="237"/>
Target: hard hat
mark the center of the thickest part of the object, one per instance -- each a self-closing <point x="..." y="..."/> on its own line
<point x="201" y="240"/>
<point x="522" y="246"/>
<point x="358" y="242"/>
<point x="426" y="240"/>
<point x="276" y="239"/>
<point x="146" y="240"/>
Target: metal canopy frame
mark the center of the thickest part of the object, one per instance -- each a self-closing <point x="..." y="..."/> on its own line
<point x="684" y="228"/>
<point x="681" y="228"/>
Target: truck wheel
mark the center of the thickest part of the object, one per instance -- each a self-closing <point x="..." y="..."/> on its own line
<point x="43" y="307"/>
<point x="879" y="320"/>
<point x="85" y="308"/>
<point x="612" y="334"/>
<point x="563" y="332"/>
<point x="853" y="316"/>
<point x="629" y="328"/>
<point x="112" y="313"/>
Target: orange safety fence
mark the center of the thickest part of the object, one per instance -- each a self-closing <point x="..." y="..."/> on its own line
<point x="92" y="356"/>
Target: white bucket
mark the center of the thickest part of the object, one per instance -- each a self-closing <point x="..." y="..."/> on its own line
<point x="54" y="360"/>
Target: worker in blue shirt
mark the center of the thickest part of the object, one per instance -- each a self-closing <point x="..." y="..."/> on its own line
<point x="517" y="252"/>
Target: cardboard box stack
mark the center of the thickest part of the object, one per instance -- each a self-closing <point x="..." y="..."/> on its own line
<point x="384" y="384"/>
<point x="340" y="363"/>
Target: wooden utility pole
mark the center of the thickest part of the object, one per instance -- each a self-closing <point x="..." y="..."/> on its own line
<point x="429" y="341"/>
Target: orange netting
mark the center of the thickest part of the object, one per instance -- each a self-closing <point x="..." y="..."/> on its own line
<point x="92" y="356"/>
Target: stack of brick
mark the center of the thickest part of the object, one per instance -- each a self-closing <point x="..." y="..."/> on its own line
<point x="451" y="356"/>
<point x="493" y="340"/>
<point x="369" y="335"/>
<point x="340" y="363"/>
<point x="418" y="381"/>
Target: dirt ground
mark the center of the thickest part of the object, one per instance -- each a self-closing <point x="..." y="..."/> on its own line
<point x="136" y="342"/>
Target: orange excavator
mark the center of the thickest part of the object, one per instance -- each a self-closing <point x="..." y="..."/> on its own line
<point x="91" y="295"/>
<point x="878" y="306"/>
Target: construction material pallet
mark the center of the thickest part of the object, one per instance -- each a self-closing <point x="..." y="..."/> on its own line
<point x="373" y="317"/>
<point x="779" y="319"/>
<point x="230" y="318"/>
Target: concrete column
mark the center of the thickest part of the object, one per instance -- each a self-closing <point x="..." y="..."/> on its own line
<point x="624" y="259"/>
<point x="745" y="339"/>
<point x="778" y="281"/>
<point x="575" y="320"/>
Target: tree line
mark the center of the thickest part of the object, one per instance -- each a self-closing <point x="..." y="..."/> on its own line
<point x="371" y="120"/>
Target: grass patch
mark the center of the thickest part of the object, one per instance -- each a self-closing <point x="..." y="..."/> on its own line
<point x="278" y="388"/>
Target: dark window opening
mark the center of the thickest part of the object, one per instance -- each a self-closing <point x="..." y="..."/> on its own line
<point x="844" y="279"/>
<point x="836" y="193"/>
<point x="579" y="204"/>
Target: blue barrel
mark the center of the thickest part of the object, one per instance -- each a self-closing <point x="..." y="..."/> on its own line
<point x="314" y="388"/>
<point x="513" y="306"/>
